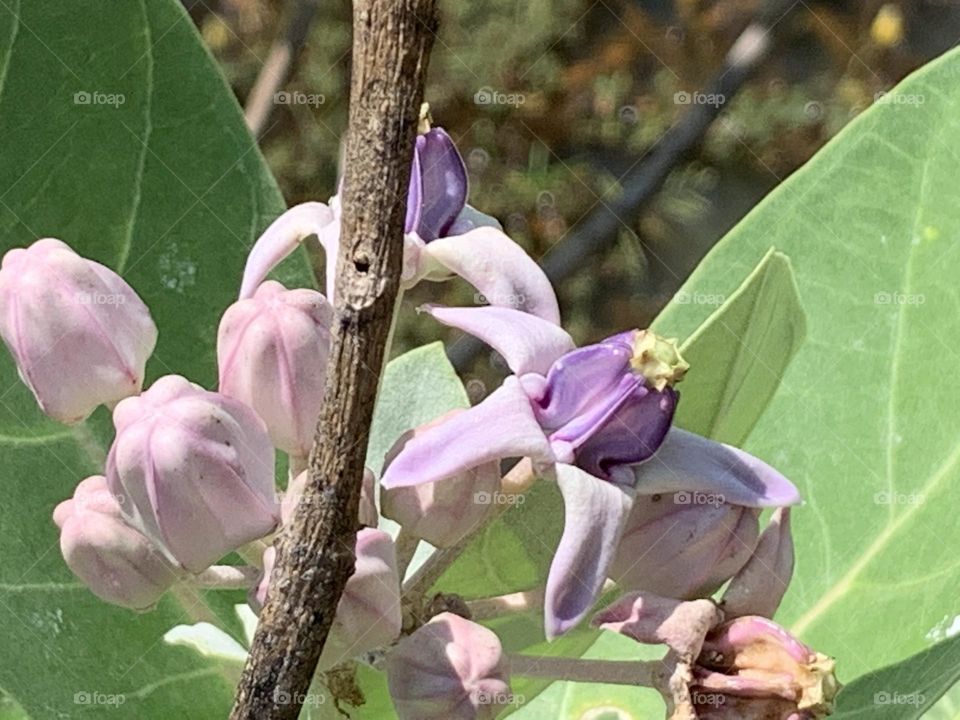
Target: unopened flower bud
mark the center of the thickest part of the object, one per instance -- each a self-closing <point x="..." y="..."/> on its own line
<point x="78" y="332"/>
<point x="449" y="669"/>
<point x="117" y="562"/>
<point x="444" y="511"/>
<point x="684" y="545"/>
<point x="196" y="471"/>
<point x="368" y="614"/>
<point x="367" y="514"/>
<point x="272" y="353"/>
<point x="761" y="584"/>
<point x="761" y="672"/>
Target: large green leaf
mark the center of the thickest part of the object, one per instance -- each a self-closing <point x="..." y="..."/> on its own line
<point x="866" y="420"/>
<point x="168" y="188"/>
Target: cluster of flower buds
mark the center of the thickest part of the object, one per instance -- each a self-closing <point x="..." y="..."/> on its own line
<point x="668" y="515"/>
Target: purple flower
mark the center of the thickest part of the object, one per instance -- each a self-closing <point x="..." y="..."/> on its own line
<point x="444" y="237"/>
<point x="592" y="417"/>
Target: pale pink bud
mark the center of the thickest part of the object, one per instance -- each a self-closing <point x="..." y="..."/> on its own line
<point x="272" y="353"/>
<point x="196" y="471"/>
<point x="444" y="511"/>
<point x="79" y="334"/>
<point x="684" y="545"/>
<point x="367" y="514"/>
<point x="449" y="669"/>
<point x="752" y="669"/>
<point x="761" y="584"/>
<point x="118" y="563"/>
<point x="368" y="614"/>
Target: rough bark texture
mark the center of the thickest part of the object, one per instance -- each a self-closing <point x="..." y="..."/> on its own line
<point x="391" y="45"/>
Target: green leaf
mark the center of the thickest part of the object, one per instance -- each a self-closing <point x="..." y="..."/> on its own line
<point x="866" y="418"/>
<point x="739" y="354"/>
<point x="168" y="188"/>
<point x="906" y="690"/>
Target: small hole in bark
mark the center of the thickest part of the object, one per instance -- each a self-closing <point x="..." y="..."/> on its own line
<point x="362" y="263"/>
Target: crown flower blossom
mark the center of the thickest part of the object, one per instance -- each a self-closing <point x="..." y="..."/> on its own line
<point x="78" y="332"/>
<point x="196" y="471"/>
<point x="596" y="418"/>
<point x="443" y="237"/>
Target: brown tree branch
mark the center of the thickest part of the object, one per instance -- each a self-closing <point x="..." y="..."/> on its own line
<point x="391" y="46"/>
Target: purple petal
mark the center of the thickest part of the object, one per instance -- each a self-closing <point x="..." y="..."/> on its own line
<point x="529" y="344"/>
<point x="630" y="435"/>
<point x="689" y="462"/>
<point x="594" y="515"/>
<point x="502" y="426"/>
<point x="583" y="378"/>
<point x="442" y="185"/>
<point x="499" y="268"/>
<point x="282" y="238"/>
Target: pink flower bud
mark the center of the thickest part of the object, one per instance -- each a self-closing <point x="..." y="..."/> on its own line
<point x="196" y="469"/>
<point x="368" y="614"/>
<point x="444" y="511"/>
<point x="272" y="352"/>
<point x="449" y="669"/>
<point x="681" y="545"/>
<point x="752" y="669"/>
<point x="118" y="563"/>
<point x="79" y="334"/>
<point x="761" y="584"/>
<point x="367" y="514"/>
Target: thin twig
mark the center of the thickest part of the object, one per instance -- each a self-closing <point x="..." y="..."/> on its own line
<point x="391" y="45"/>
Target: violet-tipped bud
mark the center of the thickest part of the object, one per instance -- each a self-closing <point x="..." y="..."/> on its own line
<point x="367" y="514"/>
<point x="368" y="614"/>
<point x="449" y="669"/>
<point x="684" y="545"/>
<point x="444" y="511"/>
<point x="272" y="354"/>
<point x="117" y="562"/>
<point x="752" y="669"/>
<point x="761" y="584"/>
<point x="196" y="469"/>
<point x="78" y="332"/>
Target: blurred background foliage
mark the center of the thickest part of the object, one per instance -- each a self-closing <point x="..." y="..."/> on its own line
<point x="583" y="91"/>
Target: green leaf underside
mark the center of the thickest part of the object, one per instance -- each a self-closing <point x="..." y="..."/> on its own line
<point x="169" y="189"/>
